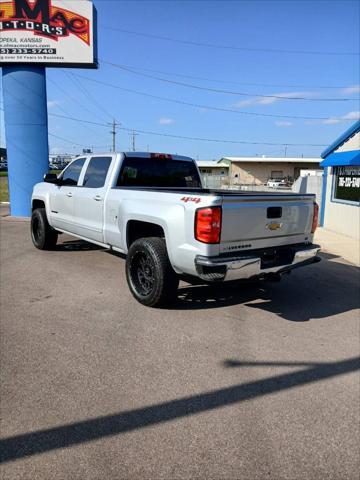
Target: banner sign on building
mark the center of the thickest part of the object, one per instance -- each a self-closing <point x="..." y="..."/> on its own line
<point x="347" y="184"/>
<point x="48" y="33"/>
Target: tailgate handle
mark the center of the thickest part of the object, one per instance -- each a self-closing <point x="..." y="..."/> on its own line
<point x="274" y="212"/>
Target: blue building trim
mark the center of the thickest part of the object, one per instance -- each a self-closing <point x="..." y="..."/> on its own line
<point x="340" y="140"/>
<point x="323" y="197"/>
<point x="339" y="159"/>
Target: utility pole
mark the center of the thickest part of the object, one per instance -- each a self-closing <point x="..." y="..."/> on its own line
<point x="133" y="135"/>
<point x="285" y="150"/>
<point x="113" y="133"/>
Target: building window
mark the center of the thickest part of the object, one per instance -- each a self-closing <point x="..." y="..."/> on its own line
<point x="346" y="186"/>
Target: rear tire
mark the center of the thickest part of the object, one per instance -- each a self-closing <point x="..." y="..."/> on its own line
<point x="150" y="276"/>
<point x="43" y="236"/>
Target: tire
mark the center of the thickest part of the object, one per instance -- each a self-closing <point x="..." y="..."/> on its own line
<point x="149" y="274"/>
<point x="43" y="236"/>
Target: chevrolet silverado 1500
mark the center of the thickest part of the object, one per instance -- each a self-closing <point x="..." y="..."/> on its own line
<point x="152" y="208"/>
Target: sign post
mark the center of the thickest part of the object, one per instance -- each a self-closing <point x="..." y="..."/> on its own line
<point x="35" y="34"/>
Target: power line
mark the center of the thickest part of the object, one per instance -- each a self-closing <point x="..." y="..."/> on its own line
<point x="183" y="137"/>
<point x="73" y="100"/>
<point x="31" y="90"/>
<point x="198" y="105"/>
<point x="65" y="140"/>
<point x="87" y="94"/>
<point x="90" y="122"/>
<point x="72" y="142"/>
<point x="228" y="92"/>
<point x="232" y="82"/>
<point x="226" y="47"/>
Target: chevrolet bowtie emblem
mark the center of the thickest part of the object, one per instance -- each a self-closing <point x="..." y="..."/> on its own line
<point x="274" y="226"/>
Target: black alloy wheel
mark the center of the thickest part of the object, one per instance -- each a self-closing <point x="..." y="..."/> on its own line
<point x="43" y="236"/>
<point x="150" y="276"/>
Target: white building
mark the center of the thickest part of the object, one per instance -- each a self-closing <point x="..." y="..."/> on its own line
<point x="213" y="167"/>
<point x="340" y="210"/>
<point x="258" y="170"/>
<point x="214" y="173"/>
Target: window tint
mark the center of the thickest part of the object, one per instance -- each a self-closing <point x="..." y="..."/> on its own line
<point x="158" y="172"/>
<point x="72" y="172"/>
<point x="96" y="172"/>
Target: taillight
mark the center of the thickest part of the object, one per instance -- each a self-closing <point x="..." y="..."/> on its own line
<point x="208" y="224"/>
<point x="315" y="218"/>
<point x="164" y="156"/>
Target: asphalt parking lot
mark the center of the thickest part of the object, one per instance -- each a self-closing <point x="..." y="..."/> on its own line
<point x="250" y="382"/>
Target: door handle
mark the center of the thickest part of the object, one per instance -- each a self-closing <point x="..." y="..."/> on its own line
<point x="97" y="198"/>
<point x="69" y="194"/>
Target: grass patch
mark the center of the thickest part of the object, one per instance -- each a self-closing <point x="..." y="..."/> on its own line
<point x="4" y="191"/>
<point x="5" y="174"/>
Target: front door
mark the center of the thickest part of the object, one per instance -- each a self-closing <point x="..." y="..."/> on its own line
<point x="89" y="199"/>
<point x="62" y="199"/>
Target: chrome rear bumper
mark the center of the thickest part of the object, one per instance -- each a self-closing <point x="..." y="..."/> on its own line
<point x="259" y="264"/>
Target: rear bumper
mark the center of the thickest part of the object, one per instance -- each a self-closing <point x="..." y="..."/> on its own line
<point x="266" y="262"/>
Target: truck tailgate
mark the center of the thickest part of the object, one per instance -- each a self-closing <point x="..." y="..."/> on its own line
<point x="253" y="221"/>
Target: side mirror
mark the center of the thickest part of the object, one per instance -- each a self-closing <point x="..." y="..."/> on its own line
<point x="51" y="178"/>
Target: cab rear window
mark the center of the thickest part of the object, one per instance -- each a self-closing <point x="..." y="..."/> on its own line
<point x="158" y="172"/>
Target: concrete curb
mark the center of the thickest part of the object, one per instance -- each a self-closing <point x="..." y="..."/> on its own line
<point x="9" y="218"/>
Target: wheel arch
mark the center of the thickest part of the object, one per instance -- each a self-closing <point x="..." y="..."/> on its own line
<point x="136" y="229"/>
<point x="37" y="203"/>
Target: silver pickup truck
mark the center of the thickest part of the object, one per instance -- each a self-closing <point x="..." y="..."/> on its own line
<point x="152" y="207"/>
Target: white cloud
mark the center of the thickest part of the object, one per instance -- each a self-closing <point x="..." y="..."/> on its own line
<point x="283" y="124"/>
<point x="244" y="103"/>
<point x="273" y="98"/>
<point x="335" y="120"/>
<point x="331" y="121"/>
<point x="352" y="89"/>
<point x="166" y="121"/>
<point x="53" y="103"/>
<point x="351" y="116"/>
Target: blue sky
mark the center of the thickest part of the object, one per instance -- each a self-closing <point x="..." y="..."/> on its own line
<point x="278" y="29"/>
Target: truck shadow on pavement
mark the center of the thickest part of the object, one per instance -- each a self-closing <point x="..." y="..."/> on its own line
<point x="40" y="441"/>
<point x="313" y="292"/>
<point x="318" y="291"/>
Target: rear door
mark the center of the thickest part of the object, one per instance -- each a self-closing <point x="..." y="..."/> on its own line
<point x="257" y="221"/>
<point x="62" y="199"/>
<point x="89" y="198"/>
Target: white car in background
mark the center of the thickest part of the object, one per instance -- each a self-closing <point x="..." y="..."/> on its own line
<point x="276" y="182"/>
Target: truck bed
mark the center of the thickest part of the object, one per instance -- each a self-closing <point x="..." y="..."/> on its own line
<point x="217" y="192"/>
